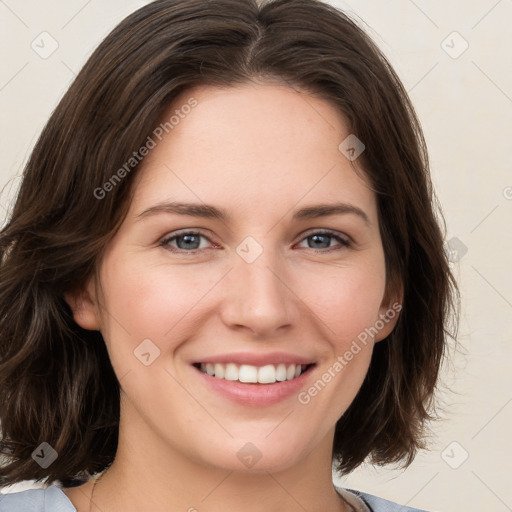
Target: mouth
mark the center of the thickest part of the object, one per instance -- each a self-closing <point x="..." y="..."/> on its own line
<point x="249" y="374"/>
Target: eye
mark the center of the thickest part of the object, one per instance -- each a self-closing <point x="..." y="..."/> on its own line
<point x="190" y="241"/>
<point x="321" y="240"/>
<point x="186" y="241"/>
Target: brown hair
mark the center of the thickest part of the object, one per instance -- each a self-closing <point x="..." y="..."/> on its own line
<point x="56" y="381"/>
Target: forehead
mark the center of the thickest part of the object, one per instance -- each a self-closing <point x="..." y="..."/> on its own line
<point x="254" y="144"/>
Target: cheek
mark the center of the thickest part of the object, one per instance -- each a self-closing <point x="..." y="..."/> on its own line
<point x="165" y="304"/>
<point x="347" y="307"/>
<point x="347" y="299"/>
<point x="150" y="301"/>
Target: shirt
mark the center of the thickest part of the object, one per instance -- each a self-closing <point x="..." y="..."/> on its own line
<point x="52" y="499"/>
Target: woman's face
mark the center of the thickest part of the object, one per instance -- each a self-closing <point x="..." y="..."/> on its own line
<point x="232" y="260"/>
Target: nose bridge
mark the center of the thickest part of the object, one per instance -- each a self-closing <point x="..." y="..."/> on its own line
<point x="257" y="296"/>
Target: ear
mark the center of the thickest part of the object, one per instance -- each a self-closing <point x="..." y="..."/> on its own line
<point x="84" y="304"/>
<point x="389" y="311"/>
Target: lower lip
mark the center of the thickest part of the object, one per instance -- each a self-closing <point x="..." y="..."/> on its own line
<point x="256" y="394"/>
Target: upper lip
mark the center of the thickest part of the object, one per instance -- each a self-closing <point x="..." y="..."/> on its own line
<point x="255" y="359"/>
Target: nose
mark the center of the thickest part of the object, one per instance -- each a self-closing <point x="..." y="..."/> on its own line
<point x="259" y="296"/>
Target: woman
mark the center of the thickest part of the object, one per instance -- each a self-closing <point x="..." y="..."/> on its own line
<point x="223" y="273"/>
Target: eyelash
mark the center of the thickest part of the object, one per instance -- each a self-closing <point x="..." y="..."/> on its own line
<point x="344" y="243"/>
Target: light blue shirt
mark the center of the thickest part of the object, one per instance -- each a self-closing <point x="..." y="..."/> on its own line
<point x="52" y="499"/>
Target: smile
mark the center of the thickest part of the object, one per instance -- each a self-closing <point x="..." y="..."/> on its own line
<point x="268" y="374"/>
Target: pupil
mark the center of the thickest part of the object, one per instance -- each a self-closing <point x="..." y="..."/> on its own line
<point x="187" y="239"/>
<point x="316" y="237"/>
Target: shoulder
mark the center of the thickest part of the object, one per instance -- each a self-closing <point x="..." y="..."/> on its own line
<point x="377" y="504"/>
<point x="51" y="499"/>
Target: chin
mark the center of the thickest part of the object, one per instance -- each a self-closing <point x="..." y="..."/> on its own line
<point x="259" y="455"/>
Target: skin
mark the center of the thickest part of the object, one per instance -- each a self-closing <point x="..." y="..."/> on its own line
<point x="261" y="152"/>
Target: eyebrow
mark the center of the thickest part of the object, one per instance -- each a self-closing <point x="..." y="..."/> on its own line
<point x="212" y="212"/>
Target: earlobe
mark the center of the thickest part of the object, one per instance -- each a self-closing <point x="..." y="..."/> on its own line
<point x="84" y="305"/>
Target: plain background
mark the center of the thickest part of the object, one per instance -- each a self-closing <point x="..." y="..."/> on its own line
<point x="455" y="59"/>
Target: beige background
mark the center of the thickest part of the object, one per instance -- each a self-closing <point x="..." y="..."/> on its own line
<point x="464" y="100"/>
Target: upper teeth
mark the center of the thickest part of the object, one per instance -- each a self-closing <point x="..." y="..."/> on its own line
<point x="247" y="373"/>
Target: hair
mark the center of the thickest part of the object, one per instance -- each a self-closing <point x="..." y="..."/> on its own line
<point x="57" y="384"/>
